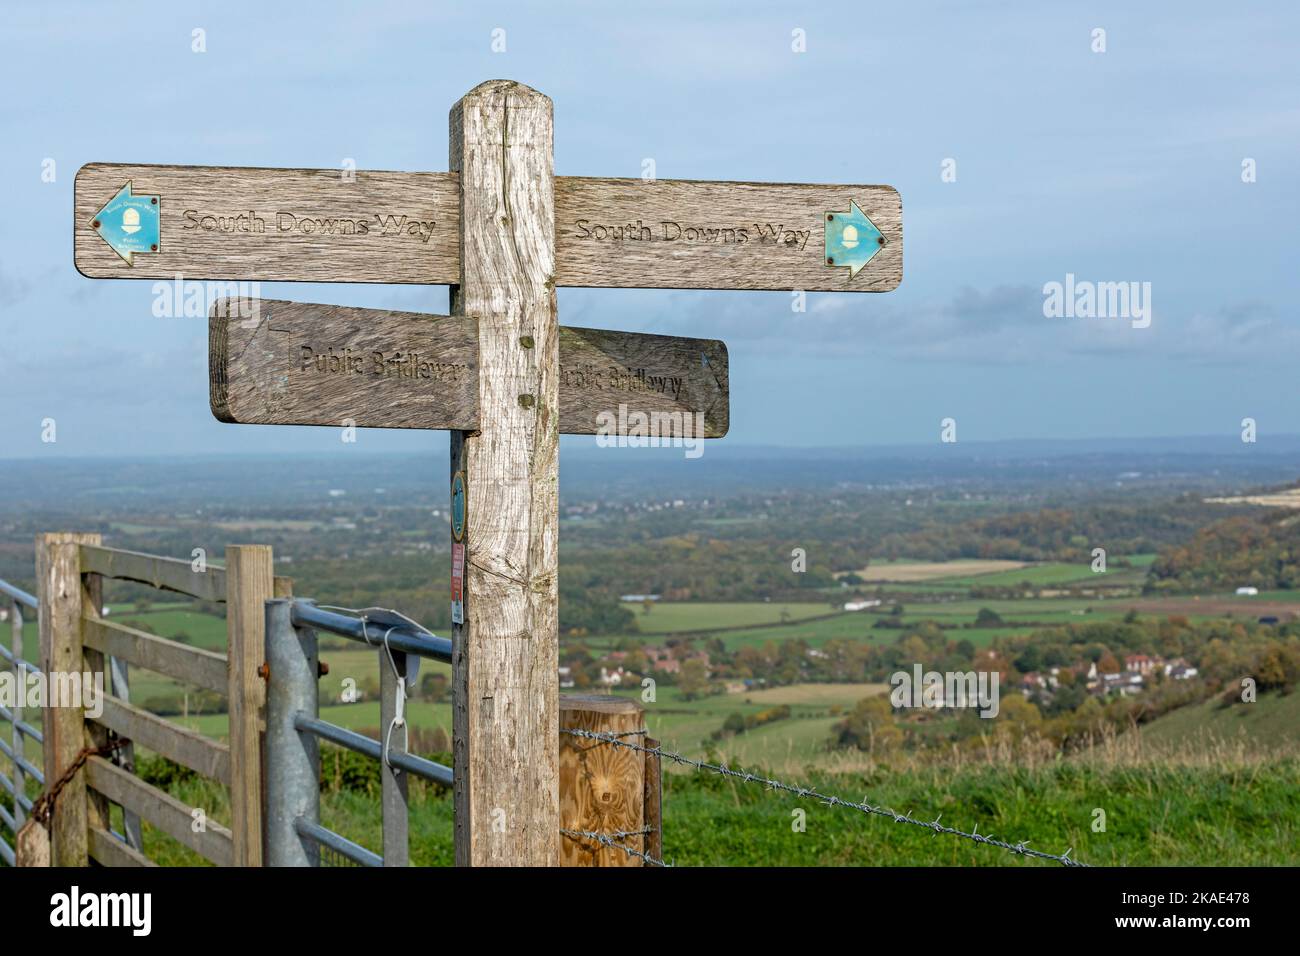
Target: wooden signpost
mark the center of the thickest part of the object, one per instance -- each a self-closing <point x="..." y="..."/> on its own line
<point x="314" y="225"/>
<point x="294" y="363"/>
<point x="499" y="372"/>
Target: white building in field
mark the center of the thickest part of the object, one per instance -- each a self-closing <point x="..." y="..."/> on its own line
<point x="1247" y="591"/>
<point x="860" y="605"/>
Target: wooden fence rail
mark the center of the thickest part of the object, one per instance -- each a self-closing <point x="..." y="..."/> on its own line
<point x="192" y="665"/>
<point x="76" y="639"/>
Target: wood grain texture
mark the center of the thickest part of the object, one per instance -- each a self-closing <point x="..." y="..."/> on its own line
<point x="95" y="663"/>
<point x="179" y="744"/>
<point x="311" y="225"/>
<point x="164" y="811"/>
<point x="506" y="654"/>
<point x="249" y="585"/>
<point x="108" y="850"/>
<point x="167" y="574"/>
<point x="63" y="602"/>
<point x="192" y="665"/>
<point x="308" y="225"/>
<point x="685" y="234"/>
<point x="613" y="376"/>
<point x="654" y="801"/>
<point x="602" y="787"/>
<point x="299" y="363"/>
<point x="296" y="363"/>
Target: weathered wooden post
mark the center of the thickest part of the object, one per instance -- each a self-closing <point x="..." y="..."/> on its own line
<point x="249" y="585"/>
<point x="602" y="786"/>
<point x="505" y="485"/>
<point x="654" y="801"/>
<point x="67" y="597"/>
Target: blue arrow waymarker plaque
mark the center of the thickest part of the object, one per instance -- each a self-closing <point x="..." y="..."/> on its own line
<point x="851" y="239"/>
<point x="130" y="224"/>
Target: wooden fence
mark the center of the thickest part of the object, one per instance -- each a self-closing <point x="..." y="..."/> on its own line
<point x="603" y="789"/>
<point x="76" y="638"/>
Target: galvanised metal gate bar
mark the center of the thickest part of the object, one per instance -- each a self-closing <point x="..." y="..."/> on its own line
<point x="18" y="599"/>
<point x="294" y="834"/>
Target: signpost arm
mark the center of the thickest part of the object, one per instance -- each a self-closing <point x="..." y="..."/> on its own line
<point x="505" y="666"/>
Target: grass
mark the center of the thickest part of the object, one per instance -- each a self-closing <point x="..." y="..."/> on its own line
<point x="1156" y="814"/>
<point x="1224" y="806"/>
<point x="851" y="626"/>
<point x="694" y="616"/>
<point x="913" y="571"/>
<point x="198" y="629"/>
<point x="1037" y="575"/>
<point x="687" y="725"/>
<point x="1271" y="721"/>
<point x="1195" y="788"/>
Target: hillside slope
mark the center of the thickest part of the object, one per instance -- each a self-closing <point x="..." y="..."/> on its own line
<point x="1273" y="722"/>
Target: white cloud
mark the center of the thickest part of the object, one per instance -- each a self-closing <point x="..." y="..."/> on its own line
<point x="1004" y="325"/>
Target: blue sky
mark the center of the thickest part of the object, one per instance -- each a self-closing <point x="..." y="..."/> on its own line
<point x="1117" y="166"/>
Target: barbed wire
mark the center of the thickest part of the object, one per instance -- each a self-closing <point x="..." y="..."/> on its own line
<point x="1022" y="848"/>
<point x="610" y="840"/>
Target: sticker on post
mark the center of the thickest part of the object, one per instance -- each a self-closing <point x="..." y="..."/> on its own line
<point x="458" y="506"/>
<point x="457" y="583"/>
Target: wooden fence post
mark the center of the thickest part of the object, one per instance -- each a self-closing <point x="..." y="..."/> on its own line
<point x="602" y="786"/>
<point x="250" y="583"/>
<point x="505" y="668"/>
<point x="65" y="597"/>
<point x="654" y="800"/>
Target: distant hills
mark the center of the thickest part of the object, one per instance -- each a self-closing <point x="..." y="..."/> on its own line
<point x="1207" y="465"/>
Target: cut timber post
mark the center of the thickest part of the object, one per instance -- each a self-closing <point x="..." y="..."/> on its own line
<point x="65" y="597"/>
<point x="654" y="801"/>
<point x="506" y="657"/>
<point x="249" y="585"/>
<point x="602" y="786"/>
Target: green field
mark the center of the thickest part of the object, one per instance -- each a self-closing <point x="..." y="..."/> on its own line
<point x="188" y="626"/>
<point x="686" y="725"/>
<point x="670" y="617"/>
<point x="1038" y="575"/>
<point x="1238" y="800"/>
<point x="1045" y="575"/>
